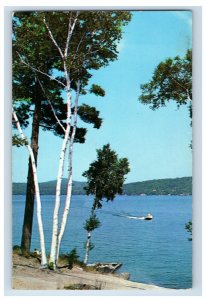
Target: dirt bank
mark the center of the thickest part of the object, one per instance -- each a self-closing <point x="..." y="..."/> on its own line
<point x="27" y="275"/>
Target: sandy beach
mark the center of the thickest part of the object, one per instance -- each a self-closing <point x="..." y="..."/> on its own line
<point x="27" y="275"/>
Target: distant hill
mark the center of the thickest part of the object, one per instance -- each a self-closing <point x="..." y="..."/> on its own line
<point x="173" y="186"/>
<point x="49" y="187"/>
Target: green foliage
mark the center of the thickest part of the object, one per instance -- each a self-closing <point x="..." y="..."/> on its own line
<point x="188" y="227"/>
<point x="51" y="266"/>
<point x="22" y="111"/>
<point x="97" y="90"/>
<point x="93" y="45"/>
<point x="89" y="114"/>
<point x="18" y="141"/>
<point x="17" y="249"/>
<point x="91" y="246"/>
<point x="72" y="258"/>
<point x="172" y="80"/>
<point x="106" y="175"/>
<point x="92" y="223"/>
<point x="84" y="286"/>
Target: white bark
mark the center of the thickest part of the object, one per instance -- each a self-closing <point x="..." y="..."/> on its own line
<point x="69" y="184"/>
<point x="53" y="252"/>
<point x="65" y="214"/>
<point x="55" y="234"/>
<point x="87" y="248"/>
<point x="70" y="31"/>
<point x="37" y="192"/>
<point x="52" y="260"/>
<point x="56" y="237"/>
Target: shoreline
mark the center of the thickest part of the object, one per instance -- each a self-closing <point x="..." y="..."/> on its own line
<point x="27" y="275"/>
<point x="138" y="195"/>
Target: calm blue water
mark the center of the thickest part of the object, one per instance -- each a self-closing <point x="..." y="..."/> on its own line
<point x="154" y="252"/>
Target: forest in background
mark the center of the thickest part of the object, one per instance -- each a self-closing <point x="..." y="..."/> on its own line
<point x="173" y="186"/>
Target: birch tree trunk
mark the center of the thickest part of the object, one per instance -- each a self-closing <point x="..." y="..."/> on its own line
<point x="64" y="56"/>
<point x="38" y="199"/>
<point x="30" y="191"/>
<point x="55" y="234"/>
<point x="87" y="248"/>
<point x="52" y="259"/>
<point x="69" y="184"/>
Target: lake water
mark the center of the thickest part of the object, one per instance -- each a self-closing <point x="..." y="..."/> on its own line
<point x="153" y="252"/>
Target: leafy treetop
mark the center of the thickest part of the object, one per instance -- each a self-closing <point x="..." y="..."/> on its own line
<point x="106" y="175"/>
<point x="172" y="80"/>
<point x="93" y="44"/>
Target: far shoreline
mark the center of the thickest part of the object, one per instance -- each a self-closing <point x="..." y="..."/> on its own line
<point x="138" y="195"/>
<point x="156" y="187"/>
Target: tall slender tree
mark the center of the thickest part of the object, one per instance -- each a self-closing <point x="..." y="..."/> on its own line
<point x="37" y="192"/>
<point x="90" y="225"/>
<point x="105" y="178"/>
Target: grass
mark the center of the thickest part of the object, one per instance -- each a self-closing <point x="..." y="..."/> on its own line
<point x="84" y="286"/>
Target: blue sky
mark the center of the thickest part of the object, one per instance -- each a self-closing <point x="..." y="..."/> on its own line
<point x="155" y="142"/>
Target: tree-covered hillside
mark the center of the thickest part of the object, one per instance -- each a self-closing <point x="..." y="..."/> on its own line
<point x="49" y="188"/>
<point x="174" y="186"/>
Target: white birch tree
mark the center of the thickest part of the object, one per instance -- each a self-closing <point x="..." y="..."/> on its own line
<point x="56" y="236"/>
<point x="69" y="184"/>
<point x="37" y="192"/>
<point x="91" y="224"/>
<point x="105" y="178"/>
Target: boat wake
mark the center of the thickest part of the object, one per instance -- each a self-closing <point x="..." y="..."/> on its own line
<point x="136" y="218"/>
<point x="130" y="217"/>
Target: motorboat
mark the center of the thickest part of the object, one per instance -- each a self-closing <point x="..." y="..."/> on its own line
<point x="148" y="217"/>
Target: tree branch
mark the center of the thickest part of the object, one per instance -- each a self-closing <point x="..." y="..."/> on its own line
<point x="69" y="184"/>
<point x="53" y="110"/>
<point x="47" y="127"/>
<point x="52" y="38"/>
<point x="77" y="49"/>
<point x="67" y="75"/>
<point x="70" y="31"/>
<point x="182" y="86"/>
<point x="39" y="71"/>
<point x="15" y="118"/>
<point x="75" y="111"/>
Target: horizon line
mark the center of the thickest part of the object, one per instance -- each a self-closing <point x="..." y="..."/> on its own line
<point x="124" y="183"/>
